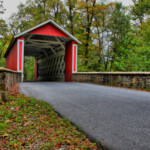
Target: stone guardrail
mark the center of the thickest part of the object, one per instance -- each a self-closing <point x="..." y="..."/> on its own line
<point x="138" y="80"/>
<point x="7" y="79"/>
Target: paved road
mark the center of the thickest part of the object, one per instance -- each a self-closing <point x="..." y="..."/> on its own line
<point x="120" y="118"/>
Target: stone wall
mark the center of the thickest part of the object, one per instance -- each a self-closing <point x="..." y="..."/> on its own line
<point x="7" y="79"/>
<point x="139" y="80"/>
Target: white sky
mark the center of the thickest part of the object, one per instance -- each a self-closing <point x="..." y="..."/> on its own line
<point x="11" y="6"/>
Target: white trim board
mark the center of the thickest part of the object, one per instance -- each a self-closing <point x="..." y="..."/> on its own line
<point x="18" y="41"/>
<point x="74" y="45"/>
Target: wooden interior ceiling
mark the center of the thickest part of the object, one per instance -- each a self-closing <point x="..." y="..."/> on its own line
<point x="40" y="46"/>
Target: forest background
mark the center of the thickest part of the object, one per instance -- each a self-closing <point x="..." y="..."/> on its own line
<point x="114" y="37"/>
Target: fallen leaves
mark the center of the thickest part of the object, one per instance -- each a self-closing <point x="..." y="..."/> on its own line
<point x="15" y="90"/>
<point x="5" y="135"/>
<point x="27" y="123"/>
<point x="58" y="145"/>
<point x="23" y="143"/>
<point x="15" y="145"/>
<point x="12" y="102"/>
<point x="68" y="141"/>
<point x="17" y="108"/>
<point x="32" y="124"/>
<point x="6" y="121"/>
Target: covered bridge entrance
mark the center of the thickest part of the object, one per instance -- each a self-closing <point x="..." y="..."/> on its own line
<point x="54" y="49"/>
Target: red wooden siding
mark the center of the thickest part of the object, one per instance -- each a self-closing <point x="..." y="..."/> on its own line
<point x="21" y="38"/>
<point x="11" y="59"/>
<point x="68" y="62"/>
<point x="48" y="29"/>
<point x="69" y="65"/>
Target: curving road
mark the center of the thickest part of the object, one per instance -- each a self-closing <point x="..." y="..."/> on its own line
<point x="118" y="117"/>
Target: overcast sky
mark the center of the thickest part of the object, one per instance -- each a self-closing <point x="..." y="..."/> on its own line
<point x="11" y="6"/>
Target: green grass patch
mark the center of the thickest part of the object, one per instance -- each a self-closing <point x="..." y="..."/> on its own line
<point x="147" y="90"/>
<point x="28" y="123"/>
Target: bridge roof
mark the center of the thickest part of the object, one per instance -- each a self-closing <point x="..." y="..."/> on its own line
<point x="29" y="31"/>
<point x="53" y="23"/>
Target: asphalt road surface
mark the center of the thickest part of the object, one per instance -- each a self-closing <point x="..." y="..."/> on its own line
<point x="119" y="118"/>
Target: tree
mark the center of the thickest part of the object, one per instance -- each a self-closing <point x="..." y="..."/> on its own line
<point x="119" y="26"/>
<point x="29" y="68"/>
<point x="101" y="21"/>
<point x="35" y="12"/>
<point x="140" y="9"/>
<point x="109" y="41"/>
<point x="71" y="6"/>
<point x="87" y="10"/>
<point x="143" y="47"/>
<point x="58" y="12"/>
<point x="2" y="9"/>
<point x="4" y="40"/>
<point x="28" y="15"/>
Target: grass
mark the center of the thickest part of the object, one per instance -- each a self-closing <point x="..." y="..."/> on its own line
<point x="28" y="123"/>
<point x="139" y="89"/>
<point x="147" y="90"/>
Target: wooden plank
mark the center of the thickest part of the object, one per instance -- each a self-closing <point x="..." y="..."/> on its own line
<point x="60" y="43"/>
<point x="39" y="46"/>
<point x="52" y="50"/>
<point x="44" y="41"/>
<point x="28" y="38"/>
<point x="57" y="54"/>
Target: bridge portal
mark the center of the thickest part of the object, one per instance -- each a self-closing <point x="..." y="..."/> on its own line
<point x="54" y="49"/>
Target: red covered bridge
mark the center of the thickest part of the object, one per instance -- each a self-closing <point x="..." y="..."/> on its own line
<point x="54" y="49"/>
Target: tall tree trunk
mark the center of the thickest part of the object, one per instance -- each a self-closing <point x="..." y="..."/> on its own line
<point x="71" y="17"/>
<point x="87" y="45"/>
<point x="89" y="18"/>
<point x="100" y="42"/>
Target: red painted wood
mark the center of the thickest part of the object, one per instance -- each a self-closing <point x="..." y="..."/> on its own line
<point x="49" y="29"/>
<point x="11" y="59"/>
<point x="20" y="56"/>
<point x="73" y="42"/>
<point x="35" y="69"/>
<point x="21" y="38"/>
<point x="68" y="62"/>
<point x="75" y="58"/>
